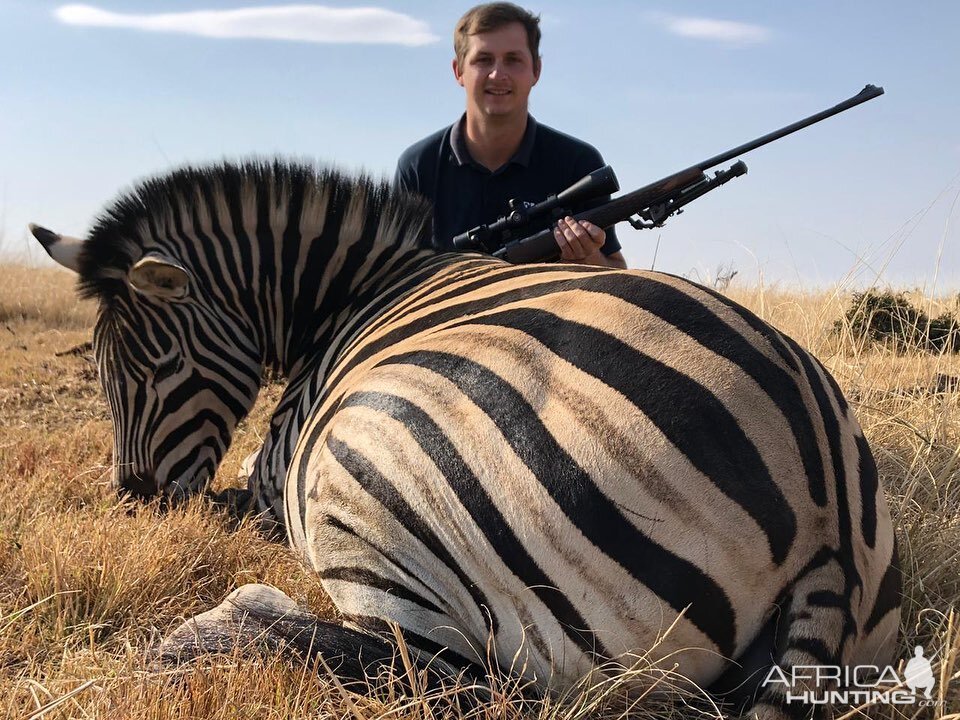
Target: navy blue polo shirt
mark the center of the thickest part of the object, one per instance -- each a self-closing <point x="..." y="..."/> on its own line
<point x="465" y="194"/>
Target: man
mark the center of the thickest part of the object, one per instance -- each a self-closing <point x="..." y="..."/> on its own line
<point x="497" y="151"/>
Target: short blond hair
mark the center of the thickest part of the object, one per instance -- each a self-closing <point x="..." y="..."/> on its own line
<point x="493" y="16"/>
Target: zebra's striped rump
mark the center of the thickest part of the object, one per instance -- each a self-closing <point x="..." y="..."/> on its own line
<point x="573" y="459"/>
<point x="543" y="465"/>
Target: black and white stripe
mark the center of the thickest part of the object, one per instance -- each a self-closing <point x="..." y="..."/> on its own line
<point x="560" y="458"/>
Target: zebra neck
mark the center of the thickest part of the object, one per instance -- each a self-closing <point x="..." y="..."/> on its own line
<point x="335" y="337"/>
<point x="352" y="289"/>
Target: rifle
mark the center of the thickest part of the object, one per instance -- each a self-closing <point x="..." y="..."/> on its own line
<point x="651" y="204"/>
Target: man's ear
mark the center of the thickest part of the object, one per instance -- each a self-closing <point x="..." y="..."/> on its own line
<point x="159" y="277"/>
<point x="456" y="71"/>
<point x="537" y="67"/>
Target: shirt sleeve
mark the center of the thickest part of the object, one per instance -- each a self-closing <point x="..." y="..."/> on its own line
<point x="413" y="173"/>
<point x="408" y="174"/>
<point x="403" y="177"/>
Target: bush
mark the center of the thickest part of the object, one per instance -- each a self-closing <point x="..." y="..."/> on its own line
<point x="891" y="319"/>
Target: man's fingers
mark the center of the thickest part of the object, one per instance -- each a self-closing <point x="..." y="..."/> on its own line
<point x="597" y="233"/>
<point x="577" y="236"/>
<point x="588" y="233"/>
<point x="589" y="236"/>
<point x="578" y="239"/>
<point x="565" y="251"/>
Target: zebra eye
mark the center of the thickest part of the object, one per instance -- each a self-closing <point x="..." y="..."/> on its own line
<point x="169" y="367"/>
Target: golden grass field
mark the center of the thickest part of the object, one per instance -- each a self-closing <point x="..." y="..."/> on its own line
<point x="87" y="587"/>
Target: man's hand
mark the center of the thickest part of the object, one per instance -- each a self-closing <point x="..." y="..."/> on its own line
<point x="580" y="242"/>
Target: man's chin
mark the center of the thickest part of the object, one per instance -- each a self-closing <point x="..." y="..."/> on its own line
<point x="501" y="110"/>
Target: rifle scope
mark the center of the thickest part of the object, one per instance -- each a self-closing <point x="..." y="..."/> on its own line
<point x="602" y="181"/>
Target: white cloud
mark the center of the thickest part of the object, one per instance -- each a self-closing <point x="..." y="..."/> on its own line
<point x="723" y="31"/>
<point x="304" y="23"/>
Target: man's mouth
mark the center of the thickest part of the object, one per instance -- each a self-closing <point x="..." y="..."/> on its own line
<point x="491" y="91"/>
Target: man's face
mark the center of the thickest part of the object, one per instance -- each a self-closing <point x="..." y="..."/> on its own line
<point x="498" y="72"/>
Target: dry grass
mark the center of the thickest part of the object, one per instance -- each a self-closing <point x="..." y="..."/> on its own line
<point x="87" y="587"/>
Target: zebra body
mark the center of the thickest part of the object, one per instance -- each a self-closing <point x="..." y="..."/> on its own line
<point x="551" y="461"/>
<point x="578" y="485"/>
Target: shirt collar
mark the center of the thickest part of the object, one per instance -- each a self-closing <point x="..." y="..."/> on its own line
<point x="458" y="143"/>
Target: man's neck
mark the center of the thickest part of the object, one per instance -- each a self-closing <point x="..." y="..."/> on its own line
<point x="492" y="141"/>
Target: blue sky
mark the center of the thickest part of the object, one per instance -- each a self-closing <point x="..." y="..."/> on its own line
<point x="93" y="97"/>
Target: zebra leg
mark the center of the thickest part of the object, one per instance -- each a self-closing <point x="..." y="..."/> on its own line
<point x="257" y="618"/>
<point x="249" y="466"/>
<point x="237" y="502"/>
<point x="241" y="506"/>
<point x="816" y="624"/>
<point x="241" y="503"/>
<point x="740" y="685"/>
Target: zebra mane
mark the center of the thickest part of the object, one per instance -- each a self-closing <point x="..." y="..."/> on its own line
<point x="131" y="225"/>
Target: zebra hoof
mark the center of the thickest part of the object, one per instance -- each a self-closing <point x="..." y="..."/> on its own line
<point x="253" y="619"/>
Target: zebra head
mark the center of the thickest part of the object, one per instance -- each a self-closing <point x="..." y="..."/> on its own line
<point x="179" y="370"/>
<point x="204" y="276"/>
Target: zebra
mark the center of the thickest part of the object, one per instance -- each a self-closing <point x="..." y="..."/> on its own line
<point x="555" y="461"/>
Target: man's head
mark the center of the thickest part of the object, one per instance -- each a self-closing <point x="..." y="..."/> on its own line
<point x="497" y="61"/>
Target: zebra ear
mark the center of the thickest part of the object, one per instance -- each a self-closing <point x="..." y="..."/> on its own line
<point x="62" y="248"/>
<point x="159" y="277"/>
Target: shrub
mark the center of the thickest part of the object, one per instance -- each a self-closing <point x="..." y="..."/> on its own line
<point x="891" y="319"/>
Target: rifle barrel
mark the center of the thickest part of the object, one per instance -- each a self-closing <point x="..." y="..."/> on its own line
<point x="667" y="191"/>
<point x="868" y="93"/>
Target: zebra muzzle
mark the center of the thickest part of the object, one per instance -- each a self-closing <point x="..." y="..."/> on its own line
<point x="137" y="486"/>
